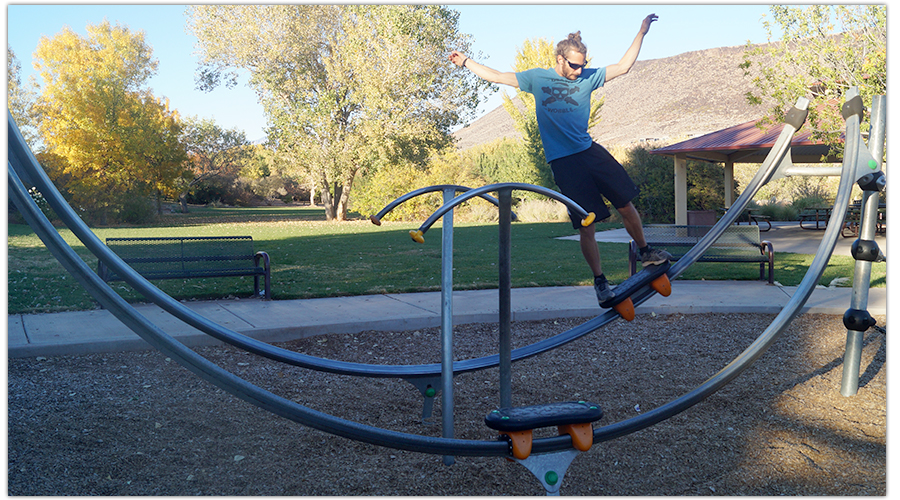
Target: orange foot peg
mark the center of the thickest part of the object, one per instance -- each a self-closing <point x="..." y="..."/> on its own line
<point x="582" y="435"/>
<point x="662" y="285"/>
<point x="653" y="276"/>
<point x="572" y="418"/>
<point x="625" y="309"/>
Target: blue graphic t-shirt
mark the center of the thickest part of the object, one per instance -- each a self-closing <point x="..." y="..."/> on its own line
<point x="563" y="107"/>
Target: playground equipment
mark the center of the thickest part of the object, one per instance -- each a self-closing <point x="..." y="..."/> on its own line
<point x="504" y="195"/>
<point x="506" y="216"/>
<point x="653" y="276"/>
<point x="557" y="451"/>
<point x="857" y="319"/>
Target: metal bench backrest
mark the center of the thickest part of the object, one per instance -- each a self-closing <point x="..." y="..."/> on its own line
<point x="677" y="240"/>
<point x="184" y="255"/>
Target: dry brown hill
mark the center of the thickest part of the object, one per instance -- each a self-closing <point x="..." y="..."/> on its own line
<point x="667" y="99"/>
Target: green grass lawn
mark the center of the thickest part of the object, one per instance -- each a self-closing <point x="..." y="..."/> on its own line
<point x="312" y="258"/>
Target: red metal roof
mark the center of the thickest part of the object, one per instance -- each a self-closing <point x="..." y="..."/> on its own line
<point x="745" y="143"/>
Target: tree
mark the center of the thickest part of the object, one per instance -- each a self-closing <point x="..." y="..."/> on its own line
<point x="503" y="160"/>
<point x="655" y="175"/>
<point x="537" y="53"/>
<point x="212" y="152"/>
<point x="346" y="88"/>
<point x="98" y="116"/>
<point x="825" y="50"/>
<point x="161" y="152"/>
<point x="21" y="98"/>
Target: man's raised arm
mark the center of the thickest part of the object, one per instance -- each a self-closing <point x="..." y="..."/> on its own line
<point x="624" y="66"/>
<point x="483" y="71"/>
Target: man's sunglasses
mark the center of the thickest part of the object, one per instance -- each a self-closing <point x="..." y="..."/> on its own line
<point x="574" y="66"/>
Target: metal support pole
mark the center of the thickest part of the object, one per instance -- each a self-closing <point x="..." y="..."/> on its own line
<point x="447" y="323"/>
<point x="505" y="197"/>
<point x="863" y="270"/>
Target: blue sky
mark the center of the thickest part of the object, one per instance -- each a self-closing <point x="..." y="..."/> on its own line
<point x="498" y="31"/>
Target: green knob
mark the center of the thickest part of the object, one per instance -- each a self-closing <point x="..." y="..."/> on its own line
<point x="430" y="392"/>
<point x="551" y="478"/>
<point x="873" y="164"/>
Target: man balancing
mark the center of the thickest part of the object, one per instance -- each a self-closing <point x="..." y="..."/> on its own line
<point x="583" y="169"/>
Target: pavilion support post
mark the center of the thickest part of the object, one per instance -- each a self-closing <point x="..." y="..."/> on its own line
<point x="681" y="190"/>
<point x="729" y="183"/>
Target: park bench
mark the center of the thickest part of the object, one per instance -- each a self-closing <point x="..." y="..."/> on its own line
<point x="191" y="257"/>
<point x="736" y="244"/>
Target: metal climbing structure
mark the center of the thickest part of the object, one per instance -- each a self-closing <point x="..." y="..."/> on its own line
<point x="547" y="458"/>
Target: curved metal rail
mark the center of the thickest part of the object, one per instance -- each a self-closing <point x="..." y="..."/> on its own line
<point x="28" y="168"/>
<point x="213" y="373"/>
<point x="788" y="313"/>
<point x="376" y="219"/>
<point x="443" y="446"/>
<point x="418" y="235"/>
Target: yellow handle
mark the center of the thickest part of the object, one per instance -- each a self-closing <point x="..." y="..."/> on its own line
<point x="417" y="236"/>
<point x="587" y="221"/>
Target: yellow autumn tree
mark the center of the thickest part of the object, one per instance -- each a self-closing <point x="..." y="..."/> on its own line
<point x="155" y="142"/>
<point x="118" y="143"/>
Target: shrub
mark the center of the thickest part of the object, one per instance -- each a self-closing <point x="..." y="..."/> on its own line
<point x="376" y="191"/>
<point x="655" y="176"/>
<point x="483" y="213"/>
<point x="541" y="211"/>
<point x="135" y="209"/>
<point x="508" y="160"/>
<point x="788" y="188"/>
<point x="777" y="211"/>
<point x="806" y="202"/>
<point x="706" y="186"/>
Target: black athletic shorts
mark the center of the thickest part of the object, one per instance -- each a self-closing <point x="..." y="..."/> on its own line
<point x="591" y="175"/>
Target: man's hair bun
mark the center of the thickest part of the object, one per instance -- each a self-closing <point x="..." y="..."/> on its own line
<point x="573" y="42"/>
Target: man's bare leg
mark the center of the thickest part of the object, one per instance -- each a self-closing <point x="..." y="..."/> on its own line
<point x="591" y="253"/>
<point x="589" y="248"/>
<point x="632" y="221"/>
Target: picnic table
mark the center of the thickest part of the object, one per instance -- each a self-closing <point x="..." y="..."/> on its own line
<point x="818" y="214"/>
<point x="752" y="216"/>
<point x="851" y="222"/>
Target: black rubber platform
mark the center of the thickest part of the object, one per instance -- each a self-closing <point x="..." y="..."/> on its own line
<point x="533" y="417"/>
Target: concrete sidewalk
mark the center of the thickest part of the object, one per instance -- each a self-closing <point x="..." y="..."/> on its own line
<point x="93" y="331"/>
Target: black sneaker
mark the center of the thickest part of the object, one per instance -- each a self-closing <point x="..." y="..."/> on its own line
<point x="604" y="293"/>
<point x="655" y="257"/>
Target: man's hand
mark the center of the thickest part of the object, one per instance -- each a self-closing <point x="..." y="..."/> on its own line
<point x="624" y="66"/>
<point x="645" y="26"/>
<point x="457" y="58"/>
<point x="483" y="72"/>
